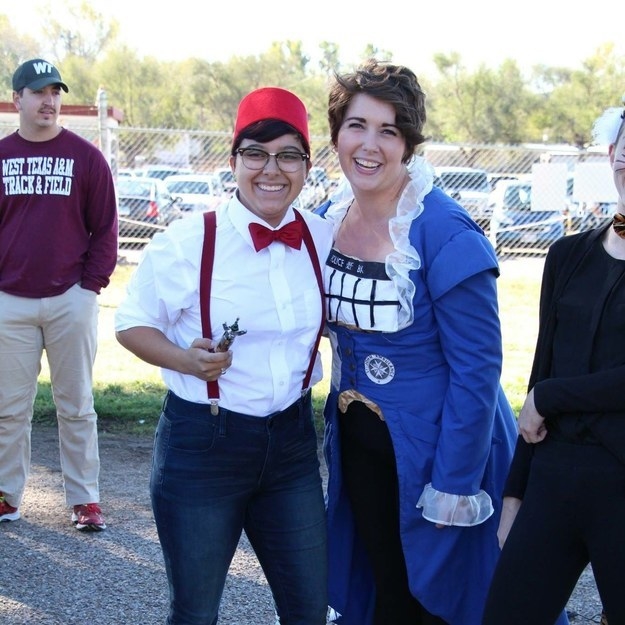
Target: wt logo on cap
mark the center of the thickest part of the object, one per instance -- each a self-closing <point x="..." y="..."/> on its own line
<point x="41" y="67"/>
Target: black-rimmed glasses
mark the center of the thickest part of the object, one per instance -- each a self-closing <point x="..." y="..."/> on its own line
<point x="256" y="159"/>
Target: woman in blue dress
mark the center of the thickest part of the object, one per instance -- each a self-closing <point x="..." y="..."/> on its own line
<point x="419" y="434"/>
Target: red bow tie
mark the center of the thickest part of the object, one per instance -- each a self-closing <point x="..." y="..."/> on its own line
<point x="291" y="234"/>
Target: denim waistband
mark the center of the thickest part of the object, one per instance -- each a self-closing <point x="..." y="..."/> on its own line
<point x="195" y="409"/>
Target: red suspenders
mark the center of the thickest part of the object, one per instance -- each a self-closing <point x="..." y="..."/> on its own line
<point x="206" y="272"/>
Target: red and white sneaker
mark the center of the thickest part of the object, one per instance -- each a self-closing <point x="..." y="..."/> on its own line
<point x="87" y="517"/>
<point x="7" y="511"/>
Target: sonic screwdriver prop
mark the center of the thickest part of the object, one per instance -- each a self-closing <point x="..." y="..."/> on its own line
<point x="230" y="333"/>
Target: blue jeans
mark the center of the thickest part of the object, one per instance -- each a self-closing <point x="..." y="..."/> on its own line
<point x="214" y="476"/>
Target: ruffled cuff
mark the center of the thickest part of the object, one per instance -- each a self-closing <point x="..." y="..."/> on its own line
<point x="461" y="510"/>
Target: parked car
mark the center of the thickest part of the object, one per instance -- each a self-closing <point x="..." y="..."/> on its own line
<point x="124" y="172"/>
<point x="470" y="187"/>
<point x="311" y="196"/>
<point x="514" y="224"/>
<point x="577" y="214"/>
<point x="197" y="192"/>
<point x="318" y="177"/>
<point x="161" y="171"/>
<point x="227" y="179"/>
<point x="495" y="178"/>
<point x="144" y="206"/>
<point x="585" y="215"/>
<point x="596" y="214"/>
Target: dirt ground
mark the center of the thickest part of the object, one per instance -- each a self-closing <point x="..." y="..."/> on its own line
<point x="55" y="575"/>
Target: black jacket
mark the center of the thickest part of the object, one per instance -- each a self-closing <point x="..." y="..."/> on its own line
<point x="599" y="395"/>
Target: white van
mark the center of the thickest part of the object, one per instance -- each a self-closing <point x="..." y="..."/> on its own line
<point x="470" y="187"/>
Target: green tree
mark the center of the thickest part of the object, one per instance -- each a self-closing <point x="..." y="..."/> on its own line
<point x="83" y="82"/>
<point x="484" y="106"/>
<point x="14" y="49"/>
<point x="217" y="88"/>
<point x="77" y="29"/>
<point x="574" y="98"/>
<point x="330" y="58"/>
<point x="373" y="52"/>
<point x="144" y="88"/>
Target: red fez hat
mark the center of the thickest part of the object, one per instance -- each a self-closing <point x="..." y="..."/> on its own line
<point x="272" y="103"/>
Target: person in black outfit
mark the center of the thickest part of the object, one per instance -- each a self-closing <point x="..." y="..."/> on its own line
<point x="569" y="464"/>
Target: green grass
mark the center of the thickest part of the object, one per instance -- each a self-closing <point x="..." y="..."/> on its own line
<point x="129" y="393"/>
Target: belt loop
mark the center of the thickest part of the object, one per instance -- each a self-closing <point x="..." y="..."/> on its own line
<point x="222" y="422"/>
<point x="164" y="404"/>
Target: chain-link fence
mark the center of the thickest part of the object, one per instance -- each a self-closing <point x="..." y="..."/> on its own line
<point x="524" y="197"/>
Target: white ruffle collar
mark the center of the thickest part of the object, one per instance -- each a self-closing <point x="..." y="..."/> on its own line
<point x="405" y="258"/>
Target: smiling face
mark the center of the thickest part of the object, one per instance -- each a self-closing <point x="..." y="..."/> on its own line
<point x="39" y="111"/>
<point x="369" y="145"/>
<point x="268" y="192"/>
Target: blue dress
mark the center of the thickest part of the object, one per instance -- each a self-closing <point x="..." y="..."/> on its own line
<point x="436" y="379"/>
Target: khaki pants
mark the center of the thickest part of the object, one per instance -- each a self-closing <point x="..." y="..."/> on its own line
<point x="65" y="327"/>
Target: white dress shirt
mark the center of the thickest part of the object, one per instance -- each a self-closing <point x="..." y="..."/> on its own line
<point x="274" y="293"/>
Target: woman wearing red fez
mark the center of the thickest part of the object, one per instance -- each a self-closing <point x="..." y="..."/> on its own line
<point x="230" y="305"/>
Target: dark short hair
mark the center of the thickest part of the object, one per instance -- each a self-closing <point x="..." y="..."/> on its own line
<point x="268" y="130"/>
<point x="391" y="83"/>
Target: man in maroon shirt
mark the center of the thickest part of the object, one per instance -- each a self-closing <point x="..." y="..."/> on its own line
<point x="58" y="248"/>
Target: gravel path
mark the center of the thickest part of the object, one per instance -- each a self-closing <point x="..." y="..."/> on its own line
<point x="54" y="575"/>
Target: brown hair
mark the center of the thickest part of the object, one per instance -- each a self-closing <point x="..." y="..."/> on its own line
<point x="394" y="84"/>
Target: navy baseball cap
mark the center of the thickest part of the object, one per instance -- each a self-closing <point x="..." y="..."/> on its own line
<point x="37" y="74"/>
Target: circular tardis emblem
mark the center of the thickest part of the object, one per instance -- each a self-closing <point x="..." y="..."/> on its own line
<point x="379" y="369"/>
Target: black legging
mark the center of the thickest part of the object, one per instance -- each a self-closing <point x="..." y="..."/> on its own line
<point x="573" y="513"/>
<point x="370" y="476"/>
